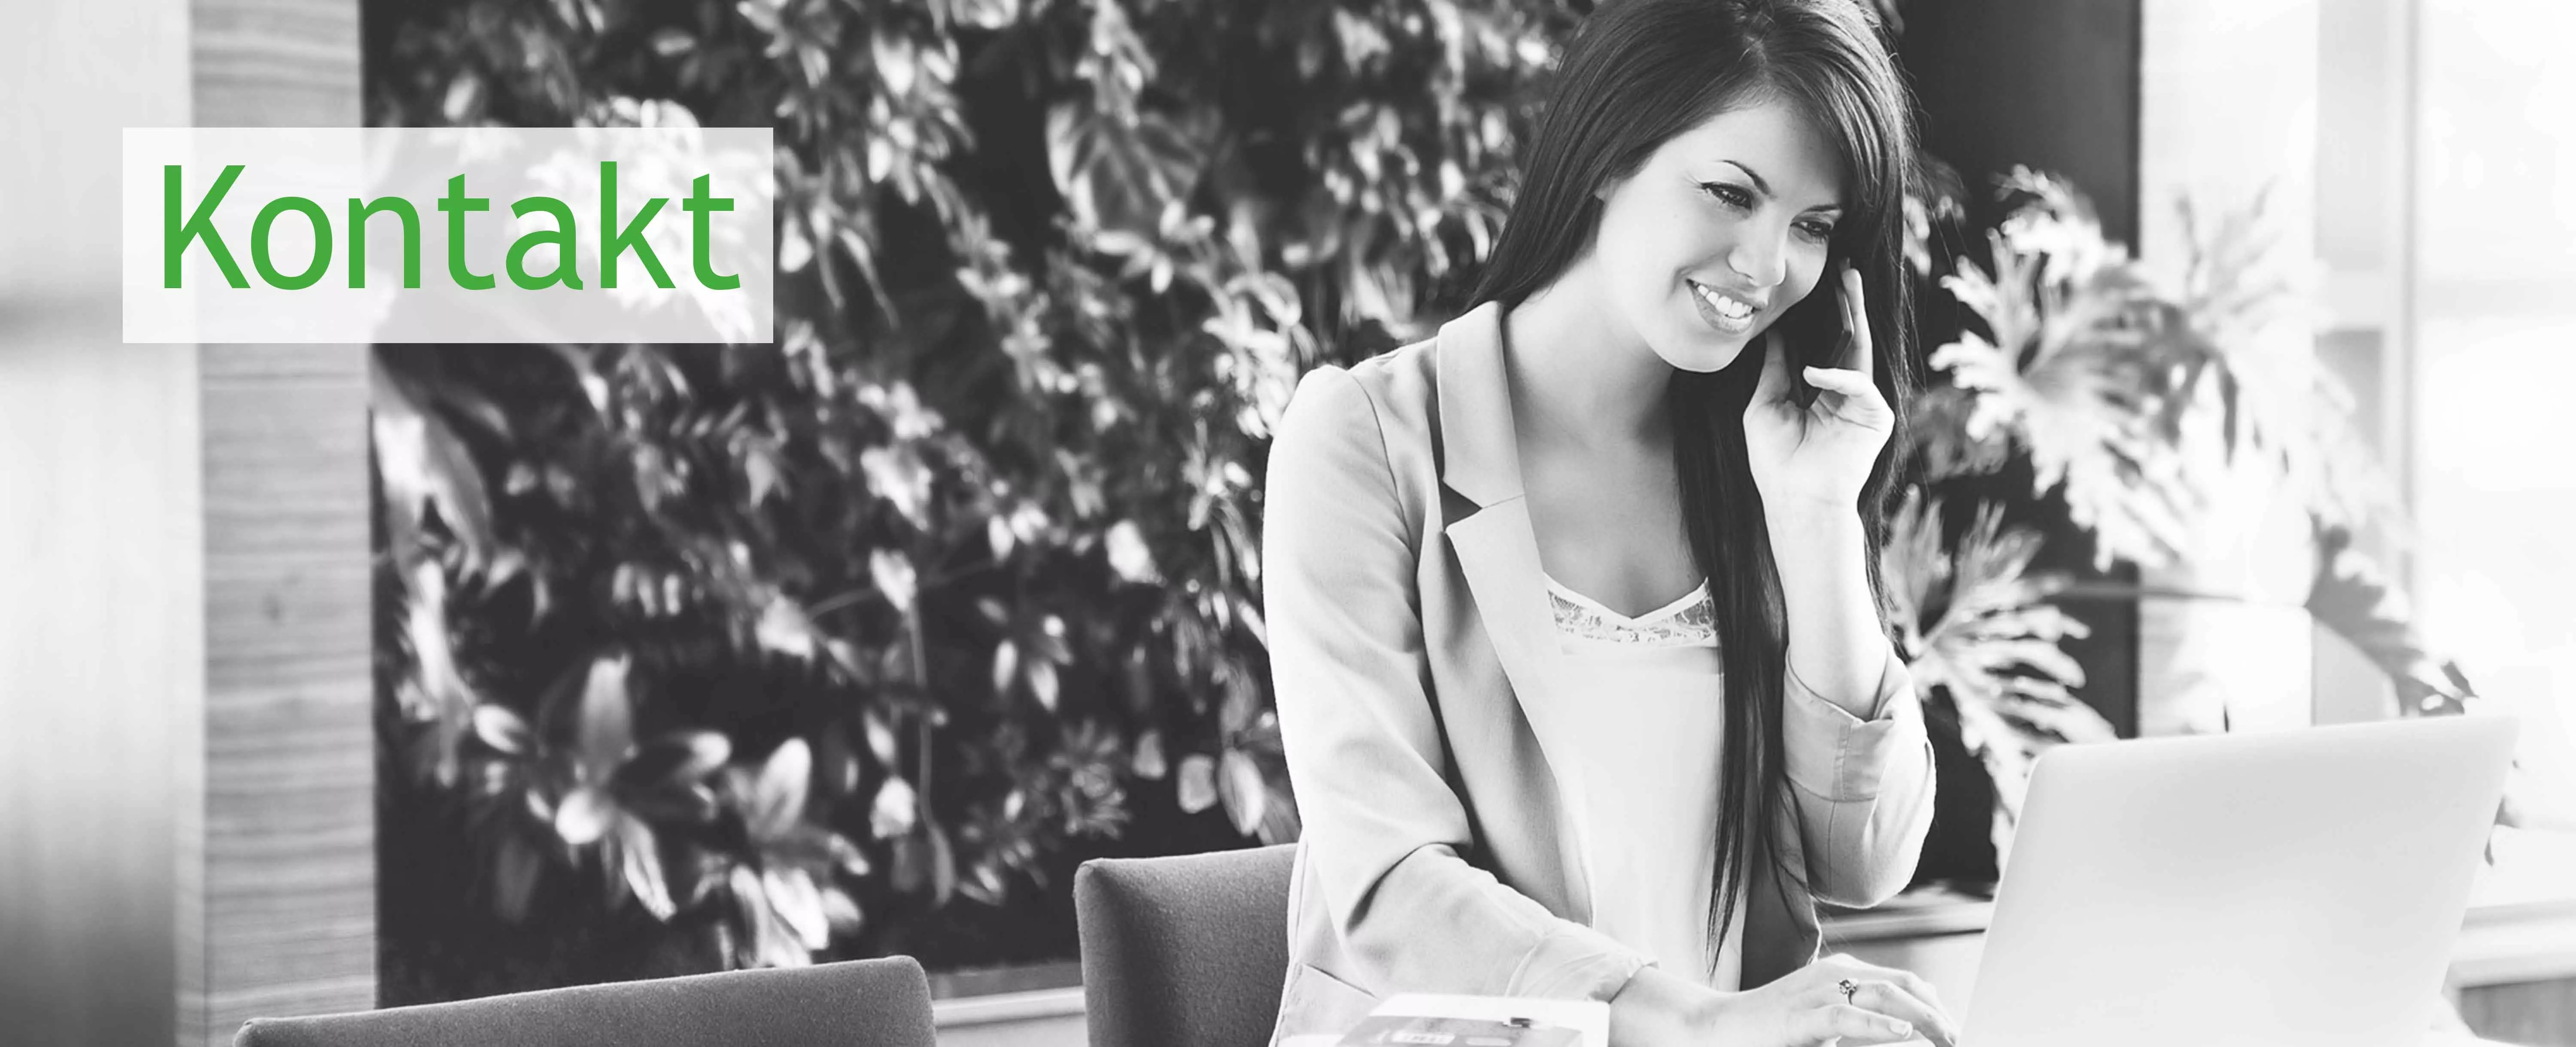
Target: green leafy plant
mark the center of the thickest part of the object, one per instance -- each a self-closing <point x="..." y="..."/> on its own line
<point x="856" y="642"/>
<point x="2075" y="368"/>
<point x="2121" y="390"/>
<point x="1976" y="627"/>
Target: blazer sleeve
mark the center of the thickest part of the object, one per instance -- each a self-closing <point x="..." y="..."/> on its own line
<point x="1384" y="831"/>
<point x="1864" y="787"/>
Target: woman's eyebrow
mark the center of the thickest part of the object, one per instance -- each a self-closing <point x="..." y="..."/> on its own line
<point x="1749" y="172"/>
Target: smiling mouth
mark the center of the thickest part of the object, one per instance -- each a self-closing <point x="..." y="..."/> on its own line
<point x="1725" y="312"/>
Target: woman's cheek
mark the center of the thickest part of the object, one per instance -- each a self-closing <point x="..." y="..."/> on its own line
<point x="1804" y="282"/>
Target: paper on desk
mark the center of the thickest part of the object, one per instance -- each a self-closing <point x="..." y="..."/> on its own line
<point x="1589" y="1017"/>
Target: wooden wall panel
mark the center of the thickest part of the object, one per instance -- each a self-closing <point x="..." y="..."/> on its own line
<point x="275" y="63"/>
<point x="288" y="880"/>
<point x="285" y="860"/>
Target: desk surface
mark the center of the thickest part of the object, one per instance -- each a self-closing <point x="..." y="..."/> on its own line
<point x="2533" y="878"/>
<point x="2521" y="927"/>
<point x="2438" y="1039"/>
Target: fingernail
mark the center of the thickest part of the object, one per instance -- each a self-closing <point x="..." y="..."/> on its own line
<point x="1900" y="1028"/>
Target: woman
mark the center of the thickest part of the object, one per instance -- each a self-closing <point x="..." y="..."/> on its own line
<point x="1572" y="607"/>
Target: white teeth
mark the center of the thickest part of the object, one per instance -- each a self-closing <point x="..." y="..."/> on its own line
<point x="1729" y="308"/>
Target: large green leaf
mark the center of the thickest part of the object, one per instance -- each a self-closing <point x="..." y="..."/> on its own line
<point x="424" y="466"/>
<point x="776" y="805"/>
<point x="2353" y="597"/>
<point x="637" y="855"/>
<point x="606" y="729"/>
<point x="2066" y="371"/>
<point x="1993" y="648"/>
<point x="438" y="693"/>
<point x="1118" y="176"/>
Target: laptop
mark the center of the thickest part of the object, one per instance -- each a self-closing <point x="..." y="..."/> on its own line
<point x="2288" y="889"/>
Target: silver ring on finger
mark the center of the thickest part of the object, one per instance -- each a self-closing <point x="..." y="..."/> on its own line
<point x="1849" y="989"/>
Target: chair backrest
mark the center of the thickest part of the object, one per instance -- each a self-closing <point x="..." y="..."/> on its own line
<point x="859" y="1003"/>
<point x="1184" y="952"/>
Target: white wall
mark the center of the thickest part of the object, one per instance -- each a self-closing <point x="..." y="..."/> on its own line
<point x="101" y="649"/>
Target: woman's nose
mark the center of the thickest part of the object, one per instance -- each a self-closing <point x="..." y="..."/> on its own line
<point x="1759" y="259"/>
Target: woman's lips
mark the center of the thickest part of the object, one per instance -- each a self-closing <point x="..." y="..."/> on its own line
<point x="1726" y="313"/>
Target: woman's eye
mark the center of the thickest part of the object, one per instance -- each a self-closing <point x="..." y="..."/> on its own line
<point x="1817" y="230"/>
<point x="1732" y="196"/>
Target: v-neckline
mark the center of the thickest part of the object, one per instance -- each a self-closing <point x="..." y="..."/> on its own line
<point x="1683" y="602"/>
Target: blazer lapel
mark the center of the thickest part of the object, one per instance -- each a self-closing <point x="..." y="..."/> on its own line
<point x="1499" y="556"/>
<point x="1497" y="549"/>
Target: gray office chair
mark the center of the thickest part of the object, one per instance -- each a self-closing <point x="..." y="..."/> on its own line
<point x="1184" y="952"/>
<point x="860" y="1003"/>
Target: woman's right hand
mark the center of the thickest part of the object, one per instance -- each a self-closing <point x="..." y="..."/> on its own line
<point x="1807" y="1008"/>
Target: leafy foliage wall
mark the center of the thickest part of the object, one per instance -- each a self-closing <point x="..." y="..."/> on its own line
<point x="695" y="656"/>
<point x="857" y="643"/>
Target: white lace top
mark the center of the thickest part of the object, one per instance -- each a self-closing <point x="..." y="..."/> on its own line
<point x="1687" y="622"/>
<point x="1643" y="789"/>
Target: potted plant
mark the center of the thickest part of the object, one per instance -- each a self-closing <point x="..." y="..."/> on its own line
<point x="2127" y="398"/>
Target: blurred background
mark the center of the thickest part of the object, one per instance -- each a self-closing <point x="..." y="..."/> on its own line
<point x="347" y="676"/>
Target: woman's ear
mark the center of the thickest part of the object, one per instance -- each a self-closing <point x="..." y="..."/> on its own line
<point x="1610" y="183"/>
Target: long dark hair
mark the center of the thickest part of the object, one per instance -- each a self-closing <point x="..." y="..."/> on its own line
<point x="1637" y="73"/>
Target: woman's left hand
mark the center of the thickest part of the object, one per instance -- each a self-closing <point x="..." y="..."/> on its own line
<point x="1818" y="456"/>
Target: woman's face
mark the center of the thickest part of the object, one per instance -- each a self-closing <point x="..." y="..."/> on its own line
<point x="1719" y="233"/>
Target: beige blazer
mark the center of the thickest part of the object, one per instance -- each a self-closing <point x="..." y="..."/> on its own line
<point x="1409" y="628"/>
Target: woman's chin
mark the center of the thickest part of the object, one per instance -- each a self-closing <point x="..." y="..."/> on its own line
<point x="1705" y="353"/>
